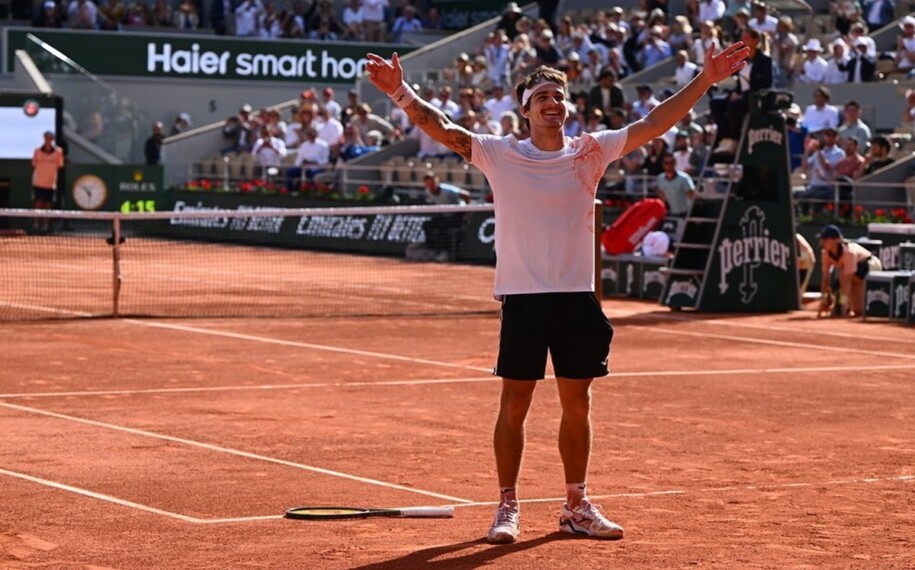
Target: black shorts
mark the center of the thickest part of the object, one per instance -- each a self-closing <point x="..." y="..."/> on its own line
<point x="572" y="327"/>
<point x="42" y="194"/>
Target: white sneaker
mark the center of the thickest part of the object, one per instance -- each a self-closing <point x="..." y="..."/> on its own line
<point x="506" y="525"/>
<point x="586" y="519"/>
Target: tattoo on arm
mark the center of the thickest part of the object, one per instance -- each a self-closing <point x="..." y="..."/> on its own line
<point x="439" y="127"/>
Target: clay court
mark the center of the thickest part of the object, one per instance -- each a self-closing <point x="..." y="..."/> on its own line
<point x="722" y="441"/>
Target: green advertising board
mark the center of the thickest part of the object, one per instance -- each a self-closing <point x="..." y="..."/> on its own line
<point x="375" y="234"/>
<point x="204" y="57"/>
<point x="113" y="188"/>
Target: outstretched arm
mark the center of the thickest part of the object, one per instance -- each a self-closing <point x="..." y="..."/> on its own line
<point x="671" y="110"/>
<point x="388" y="77"/>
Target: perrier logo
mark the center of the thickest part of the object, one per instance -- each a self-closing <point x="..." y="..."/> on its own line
<point x="749" y="253"/>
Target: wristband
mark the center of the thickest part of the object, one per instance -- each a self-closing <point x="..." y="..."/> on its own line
<point x="403" y="95"/>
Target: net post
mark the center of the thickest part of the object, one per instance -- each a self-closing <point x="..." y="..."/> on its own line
<point x="116" y="260"/>
<point x="598" y="265"/>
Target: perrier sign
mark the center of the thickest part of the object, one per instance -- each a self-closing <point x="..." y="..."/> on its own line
<point x="754" y="260"/>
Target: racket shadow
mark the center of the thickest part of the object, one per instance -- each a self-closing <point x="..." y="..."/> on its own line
<point x="483" y="553"/>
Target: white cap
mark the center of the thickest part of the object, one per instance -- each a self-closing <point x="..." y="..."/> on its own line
<point x="813" y="44"/>
<point x="907" y="21"/>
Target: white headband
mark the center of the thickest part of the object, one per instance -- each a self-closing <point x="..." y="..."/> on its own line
<point x="529" y="92"/>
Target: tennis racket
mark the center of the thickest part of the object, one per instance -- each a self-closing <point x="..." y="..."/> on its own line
<point x="336" y="513"/>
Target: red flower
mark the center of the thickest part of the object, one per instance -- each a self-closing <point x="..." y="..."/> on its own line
<point x="907" y="219"/>
<point x="859" y="209"/>
<point x="363" y="190"/>
<point x="829" y="207"/>
<point x="193" y="184"/>
<point x="205" y="184"/>
<point x="879" y="212"/>
<point x="283" y="190"/>
<point x="245" y="187"/>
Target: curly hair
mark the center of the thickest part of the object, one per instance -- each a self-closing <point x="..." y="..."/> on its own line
<point x="542" y="74"/>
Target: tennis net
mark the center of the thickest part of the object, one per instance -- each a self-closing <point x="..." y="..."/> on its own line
<point x="247" y="263"/>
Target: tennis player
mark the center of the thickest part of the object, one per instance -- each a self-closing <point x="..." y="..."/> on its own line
<point x="544" y="190"/>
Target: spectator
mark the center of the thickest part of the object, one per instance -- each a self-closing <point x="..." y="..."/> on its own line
<point x="499" y="101"/>
<point x="878" y="156"/>
<point x="698" y="155"/>
<point x="367" y="121"/>
<point x="821" y="160"/>
<point x="654" y="157"/>
<point x="741" y="23"/>
<point x="49" y="16"/>
<point x="617" y="64"/>
<point x="607" y="94"/>
<point x="858" y="32"/>
<point x="247" y="15"/>
<point x="708" y="40"/>
<point x="655" y="49"/>
<point x="352" y="21"/>
<point x="268" y="151"/>
<point x="646" y="102"/>
<point x="82" y="15"/>
<point x="406" y="23"/>
<point x="546" y="50"/>
<point x="186" y="17"/>
<point x="511" y="124"/>
<point x="497" y="52"/>
<point x="509" y="21"/>
<point x="480" y="77"/>
<point x="328" y="102"/>
<point x="162" y="14"/>
<point x="682" y="151"/>
<point x="295" y="128"/>
<point x="711" y="11"/>
<point x="821" y="114"/>
<point x="354" y="146"/>
<point x="152" y="149"/>
<point x="373" y="20"/>
<point x="785" y="47"/>
<point x="675" y="187"/>
<point x="182" y="123"/>
<point x="632" y="47"/>
<point x="729" y="110"/>
<point x="861" y="66"/>
<point x="139" y="15"/>
<point x="854" y="127"/>
<point x="908" y="115"/>
<point x="762" y="22"/>
<point x="686" y="69"/>
<point x="837" y="66"/>
<point x="879" y="13"/>
<point x="238" y="130"/>
<point x="849" y="169"/>
<point x="681" y="34"/>
<point x="905" y="45"/>
<point x="222" y="18"/>
<point x="688" y="124"/>
<point x="852" y="262"/>
<point x="444" y="102"/>
<point x="112" y="15"/>
<point x="814" y="65"/>
<point x="846" y="12"/>
<point x="292" y="26"/>
<point x="312" y="158"/>
<point x="269" y="24"/>
<point x="632" y="164"/>
<point x="434" y="20"/>
<point x="47" y="160"/>
<point x="329" y="129"/>
<point x="324" y="31"/>
<point x="797" y="136"/>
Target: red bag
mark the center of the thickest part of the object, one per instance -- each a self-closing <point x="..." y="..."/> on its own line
<point x="631" y="228"/>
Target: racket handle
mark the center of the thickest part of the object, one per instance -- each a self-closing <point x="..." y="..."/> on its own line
<point x="427" y="512"/>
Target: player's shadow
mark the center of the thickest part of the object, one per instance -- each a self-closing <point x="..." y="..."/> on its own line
<point x="428" y="558"/>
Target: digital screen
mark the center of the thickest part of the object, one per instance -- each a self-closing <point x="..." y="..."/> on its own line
<point x="21" y="134"/>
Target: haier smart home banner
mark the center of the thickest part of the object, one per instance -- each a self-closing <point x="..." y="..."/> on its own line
<point x="198" y="57"/>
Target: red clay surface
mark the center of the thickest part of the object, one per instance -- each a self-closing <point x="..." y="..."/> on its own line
<point x="722" y="441"/>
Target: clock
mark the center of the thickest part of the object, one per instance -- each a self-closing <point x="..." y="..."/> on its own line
<point x="89" y="192"/>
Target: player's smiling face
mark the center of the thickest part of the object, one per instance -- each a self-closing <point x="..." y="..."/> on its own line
<point x="548" y="107"/>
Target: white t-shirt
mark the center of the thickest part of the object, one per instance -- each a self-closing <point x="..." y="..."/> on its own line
<point x="544" y="203"/>
<point x="818" y="119"/>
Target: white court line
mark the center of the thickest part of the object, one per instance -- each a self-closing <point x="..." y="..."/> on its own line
<point x="296" y="344"/>
<point x="775" y="342"/>
<point x="267" y="387"/>
<point x="99" y="496"/>
<point x="724" y="322"/>
<point x="45" y="309"/>
<point x="762" y="487"/>
<point x="230" y="451"/>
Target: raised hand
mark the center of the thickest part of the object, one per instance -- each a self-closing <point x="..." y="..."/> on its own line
<point x="725" y="63"/>
<point x="385" y="76"/>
